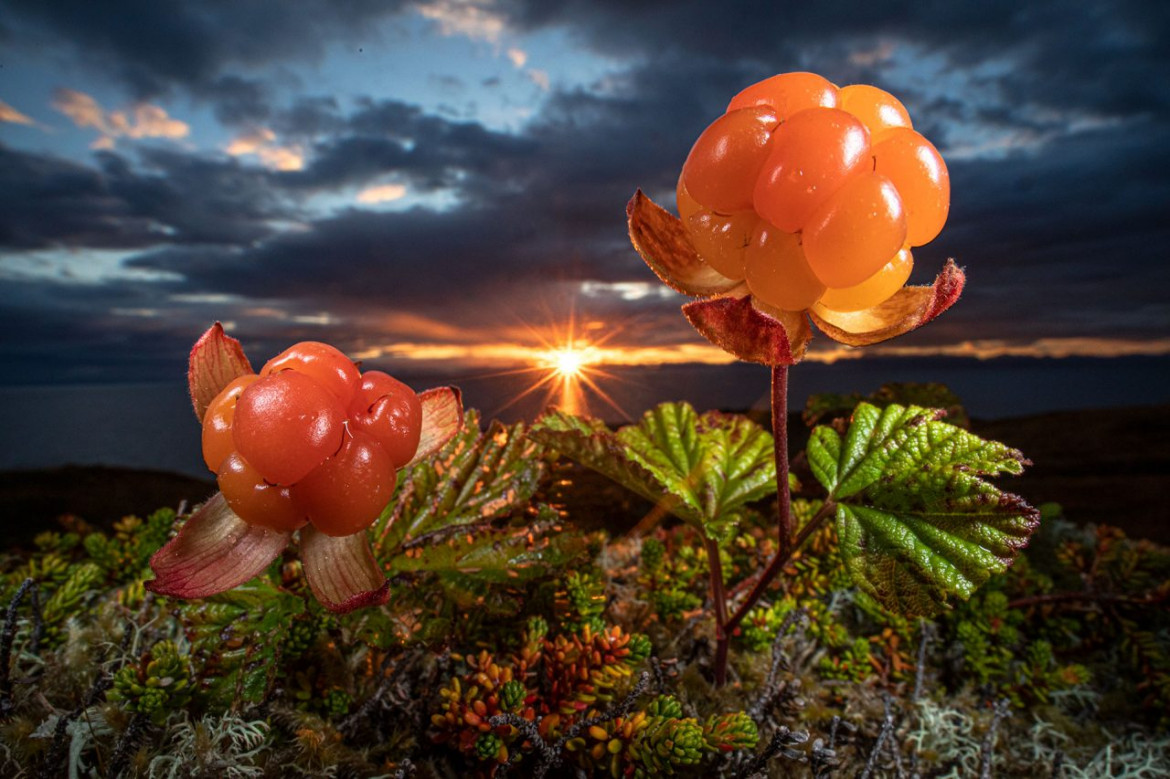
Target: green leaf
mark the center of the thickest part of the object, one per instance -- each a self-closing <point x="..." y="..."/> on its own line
<point x="917" y="520"/>
<point x="477" y="477"/>
<point x="704" y="469"/>
<point x="234" y="639"/>
<point x="499" y="555"/>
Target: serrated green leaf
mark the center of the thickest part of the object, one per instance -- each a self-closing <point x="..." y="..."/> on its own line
<point x="477" y="477"/>
<point x="918" y="522"/>
<point x="702" y="468"/>
<point x="824" y="452"/>
<point x="234" y="639"/>
<point x="507" y="555"/>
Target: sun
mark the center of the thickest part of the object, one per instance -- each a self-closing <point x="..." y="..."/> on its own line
<point x="568" y="362"/>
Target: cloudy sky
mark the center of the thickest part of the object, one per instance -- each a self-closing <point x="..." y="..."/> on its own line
<point x="439" y="186"/>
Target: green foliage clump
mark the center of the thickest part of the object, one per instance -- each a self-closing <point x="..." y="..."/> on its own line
<point x="703" y="468"/>
<point x="672" y="581"/>
<point x="159" y="684"/>
<point x="917" y="522"/>
<point x="583" y="601"/>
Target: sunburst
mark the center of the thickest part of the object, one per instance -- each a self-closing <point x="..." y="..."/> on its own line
<point x="567" y="367"/>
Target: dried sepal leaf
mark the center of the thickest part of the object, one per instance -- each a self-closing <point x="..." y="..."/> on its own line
<point x="442" y="418"/>
<point x="659" y="237"/>
<point x="342" y="571"/>
<point x="216" y="360"/>
<point x="213" y="552"/>
<point x="908" y="309"/>
<point x="739" y="327"/>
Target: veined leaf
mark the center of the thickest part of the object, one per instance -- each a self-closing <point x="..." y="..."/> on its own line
<point x="235" y="636"/>
<point x="505" y="554"/>
<point x="917" y="520"/>
<point x="702" y="468"/>
<point x="477" y="477"/>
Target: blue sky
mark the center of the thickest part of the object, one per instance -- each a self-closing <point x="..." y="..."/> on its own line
<point x="437" y="186"/>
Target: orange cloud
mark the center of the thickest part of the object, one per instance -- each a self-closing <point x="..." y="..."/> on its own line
<point x="538" y="77"/>
<point x="261" y="143"/>
<point x="518" y="57"/>
<point x="1052" y="348"/>
<point x="426" y="340"/>
<point x="381" y="193"/>
<point x="471" y="18"/>
<point x="142" y="121"/>
<point x="11" y="115"/>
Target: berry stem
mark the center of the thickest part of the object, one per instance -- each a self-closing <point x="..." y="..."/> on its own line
<point x="787" y="545"/>
<point x="722" y="638"/>
<point x="780" y="452"/>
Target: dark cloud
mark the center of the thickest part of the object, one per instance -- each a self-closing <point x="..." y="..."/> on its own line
<point x="169" y="196"/>
<point x="239" y="101"/>
<point x="308" y="117"/>
<point x="156" y="47"/>
<point x="391" y="137"/>
<point x="48" y="202"/>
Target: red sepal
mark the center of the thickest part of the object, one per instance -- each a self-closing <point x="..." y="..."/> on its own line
<point x="216" y="360"/>
<point x="213" y="552"/>
<point x="342" y="571"/>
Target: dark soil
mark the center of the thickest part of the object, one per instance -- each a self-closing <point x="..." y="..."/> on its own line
<point x="31" y="501"/>
<point x="1110" y="466"/>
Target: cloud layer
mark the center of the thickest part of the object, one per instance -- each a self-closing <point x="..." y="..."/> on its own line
<point x="430" y="235"/>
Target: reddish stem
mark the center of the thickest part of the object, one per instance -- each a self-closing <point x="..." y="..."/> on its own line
<point x="777" y="563"/>
<point x="783" y="524"/>
<point x="722" y="639"/>
<point x="780" y="453"/>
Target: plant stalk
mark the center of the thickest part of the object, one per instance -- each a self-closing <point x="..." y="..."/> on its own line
<point x="786" y="544"/>
<point x="780" y="454"/>
<point x="777" y="563"/>
<point x="722" y="638"/>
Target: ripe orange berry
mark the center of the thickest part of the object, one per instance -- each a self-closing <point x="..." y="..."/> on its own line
<point x="777" y="272"/>
<point x="286" y="424"/>
<point x="788" y="94"/>
<point x="721" y="170"/>
<point x="812" y="155"/>
<point x="876" y="108"/>
<point x="256" y="501"/>
<point x="323" y="363"/>
<point x="875" y="290"/>
<point x="918" y="171"/>
<point x="349" y="490"/>
<point x="389" y="412"/>
<point x="719" y="239"/>
<point x="217" y="422"/>
<point x="856" y="232"/>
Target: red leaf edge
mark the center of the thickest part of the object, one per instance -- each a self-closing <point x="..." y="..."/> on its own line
<point x="216" y="360"/>
<point x="342" y="571"/>
<point x="214" y="551"/>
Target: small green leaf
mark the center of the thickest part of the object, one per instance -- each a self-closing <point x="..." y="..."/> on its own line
<point x="702" y="468"/>
<point x="507" y="554"/>
<point x="477" y="477"/>
<point x="235" y="637"/>
<point x="918" y="523"/>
